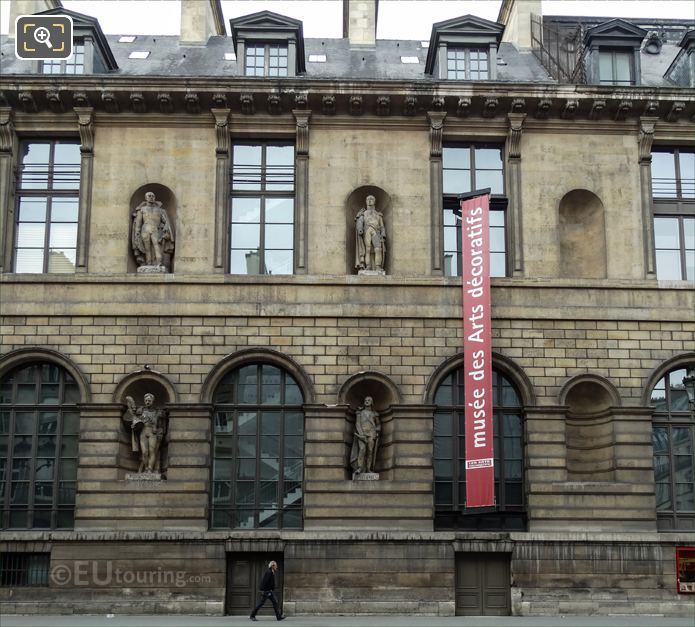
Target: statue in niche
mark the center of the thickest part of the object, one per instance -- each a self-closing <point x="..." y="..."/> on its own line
<point x="152" y="237"/>
<point x="148" y="427"/>
<point x="366" y="441"/>
<point x="370" y="240"/>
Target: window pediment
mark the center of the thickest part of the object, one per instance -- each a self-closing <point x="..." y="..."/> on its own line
<point x="85" y="26"/>
<point x="269" y="27"/>
<point x="615" y="33"/>
<point x="464" y="31"/>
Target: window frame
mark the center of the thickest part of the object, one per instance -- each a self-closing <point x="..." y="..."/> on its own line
<point x="61" y="408"/>
<point x="613" y="52"/>
<point x="669" y="419"/>
<point x="50" y="193"/>
<point x="235" y="408"/>
<point x="498" y="203"/>
<point x="467" y="50"/>
<point x="79" y="48"/>
<point x="267" y="47"/>
<point x="264" y="194"/>
<point x="25" y="570"/>
<point x="503" y="515"/>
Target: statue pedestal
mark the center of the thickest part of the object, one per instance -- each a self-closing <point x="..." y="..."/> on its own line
<point x="365" y="476"/>
<point x="372" y="272"/>
<point x="143" y="476"/>
<point x="152" y="270"/>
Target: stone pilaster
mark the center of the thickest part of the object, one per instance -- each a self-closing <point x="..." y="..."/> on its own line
<point x="85" y="122"/>
<point x="436" y="120"/>
<point x="645" y="139"/>
<point x="514" y="210"/>
<point x="301" y="117"/>
<point x="8" y="143"/>
<point x="221" y="187"/>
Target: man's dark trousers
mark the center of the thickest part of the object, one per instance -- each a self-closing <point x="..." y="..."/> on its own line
<point x="265" y="595"/>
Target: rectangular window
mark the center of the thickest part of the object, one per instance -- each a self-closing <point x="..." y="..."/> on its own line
<point x="262" y="209"/>
<point x="616" y="67"/>
<point x="467" y="64"/>
<point x="266" y="60"/>
<point x="73" y="65"/>
<point x="48" y="186"/>
<point x="673" y="200"/>
<point x="466" y="168"/>
<point x="24" y="569"/>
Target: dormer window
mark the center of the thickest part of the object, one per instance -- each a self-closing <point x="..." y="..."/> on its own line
<point x="268" y="45"/>
<point x="73" y="65"/>
<point x="616" y="67"/>
<point x="612" y="53"/>
<point x="470" y="64"/>
<point x="464" y="48"/>
<point x="266" y="60"/>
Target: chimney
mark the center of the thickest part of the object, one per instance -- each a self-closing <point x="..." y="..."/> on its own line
<point x="516" y="17"/>
<point x="29" y="7"/>
<point x="359" y="21"/>
<point x="200" y="20"/>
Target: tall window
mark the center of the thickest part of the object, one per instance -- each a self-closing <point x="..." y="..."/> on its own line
<point x="465" y="168"/>
<point x="673" y="438"/>
<point x="73" y="65"/>
<point x="39" y="431"/>
<point x="266" y="60"/>
<point x="450" y="453"/>
<point x="673" y="193"/>
<point x="467" y="64"/>
<point x="262" y="209"/>
<point x="48" y="189"/>
<point x="616" y="67"/>
<point x="259" y="450"/>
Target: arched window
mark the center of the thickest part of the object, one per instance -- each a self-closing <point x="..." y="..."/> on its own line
<point x="450" y="452"/>
<point x="39" y="431"/>
<point x="673" y="432"/>
<point x="258" y="460"/>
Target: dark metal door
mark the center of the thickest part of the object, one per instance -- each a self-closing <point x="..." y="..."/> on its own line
<point x="244" y="572"/>
<point x="483" y="585"/>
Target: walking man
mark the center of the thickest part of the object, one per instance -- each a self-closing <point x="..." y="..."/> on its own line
<point x="267" y="591"/>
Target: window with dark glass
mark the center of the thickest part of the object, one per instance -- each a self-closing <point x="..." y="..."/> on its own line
<point x="74" y="65"/>
<point x="266" y="60"/>
<point x="39" y="431"/>
<point x="467" y="64"/>
<point x="466" y="168"/>
<point x="673" y="438"/>
<point x="616" y="67"/>
<point x="450" y="451"/>
<point x="48" y="187"/>
<point x="258" y="458"/>
<point x="24" y="569"/>
<point x="262" y="209"/>
<point x="673" y="197"/>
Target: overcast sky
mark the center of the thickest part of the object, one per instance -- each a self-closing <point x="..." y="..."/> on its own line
<point x="398" y="19"/>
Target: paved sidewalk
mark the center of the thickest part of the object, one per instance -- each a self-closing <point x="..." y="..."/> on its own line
<point x="346" y="621"/>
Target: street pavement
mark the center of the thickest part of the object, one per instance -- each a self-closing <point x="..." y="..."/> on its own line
<point x="346" y="621"/>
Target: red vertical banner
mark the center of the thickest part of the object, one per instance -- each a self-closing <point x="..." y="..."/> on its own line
<point x="477" y="351"/>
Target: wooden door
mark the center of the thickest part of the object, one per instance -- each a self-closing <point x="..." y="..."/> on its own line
<point x="483" y="585"/>
<point x="244" y="573"/>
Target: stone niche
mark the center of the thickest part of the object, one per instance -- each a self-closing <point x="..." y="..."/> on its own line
<point x="385" y="395"/>
<point x="582" y="233"/>
<point x="589" y="429"/>
<point x="354" y="202"/>
<point x="136" y="385"/>
<point x="164" y="195"/>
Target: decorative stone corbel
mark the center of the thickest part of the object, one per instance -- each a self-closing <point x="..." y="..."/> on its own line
<point x="410" y="105"/>
<point x="436" y="119"/>
<point x="248" y="106"/>
<point x="543" y="108"/>
<point x="383" y="105"/>
<point x="490" y="107"/>
<point x="597" y="107"/>
<point x="54" y="101"/>
<point x="221" y="117"/>
<point x="165" y="103"/>
<point x="110" y="102"/>
<point x="301" y="100"/>
<point x="676" y="109"/>
<point x="463" y="107"/>
<point x="302" y="117"/>
<point x="328" y="105"/>
<point x="646" y="137"/>
<point x="355" y="105"/>
<point x="516" y="124"/>
<point x="518" y="105"/>
<point x="137" y="100"/>
<point x="438" y="103"/>
<point x="570" y="109"/>
<point x="301" y="233"/>
<point x="7" y="132"/>
<point x="192" y="103"/>
<point x="623" y="110"/>
<point x="274" y="104"/>
<point x="85" y="123"/>
<point x="8" y="139"/>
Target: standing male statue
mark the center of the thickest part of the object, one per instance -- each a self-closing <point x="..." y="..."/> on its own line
<point x="366" y="440"/>
<point x="148" y="428"/>
<point x="370" y="244"/>
<point x="152" y="235"/>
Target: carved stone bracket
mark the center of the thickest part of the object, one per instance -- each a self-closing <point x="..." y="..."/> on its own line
<point x="301" y="117"/>
<point x="543" y="108"/>
<point x="165" y="103"/>
<point x="436" y="119"/>
<point x="490" y="107"/>
<point x="219" y="101"/>
<point x="301" y="100"/>
<point x="192" y="103"/>
<point x="518" y="105"/>
<point x="383" y="105"/>
<point x="328" y="105"/>
<point x="516" y="123"/>
<point x="646" y="137"/>
<point x="651" y="108"/>
<point x="110" y="101"/>
<point x="597" y="107"/>
<point x="355" y="105"/>
<point x="463" y="107"/>
<point x="54" y="101"/>
<point x="7" y="133"/>
<point x="623" y="110"/>
<point x="570" y="109"/>
<point x="410" y="105"/>
<point x="80" y="99"/>
<point x="274" y="104"/>
<point x="675" y="112"/>
<point x="222" y="130"/>
<point x="27" y="101"/>
<point x="248" y="106"/>
<point x="85" y="122"/>
<point x="137" y="100"/>
<point x="438" y="103"/>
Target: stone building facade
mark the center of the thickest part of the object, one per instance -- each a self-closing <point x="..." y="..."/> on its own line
<point x="261" y="339"/>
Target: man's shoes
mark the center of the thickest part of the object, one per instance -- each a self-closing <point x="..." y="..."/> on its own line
<point x="281" y="617"/>
<point x="252" y="618"/>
